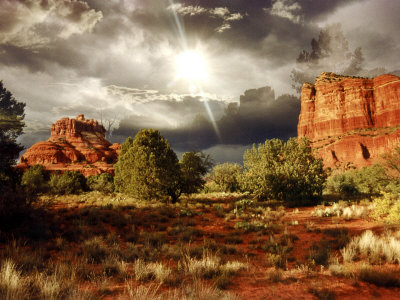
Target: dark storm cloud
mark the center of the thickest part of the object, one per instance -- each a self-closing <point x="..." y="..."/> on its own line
<point x="257" y="117"/>
<point x="36" y="23"/>
<point x="119" y="57"/>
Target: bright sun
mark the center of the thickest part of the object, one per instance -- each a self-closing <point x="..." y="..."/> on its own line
<point x="191" y="66"/>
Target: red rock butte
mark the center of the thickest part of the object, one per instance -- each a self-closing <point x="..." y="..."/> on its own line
<point x="350" y="119"/>
<point x="74" y="145"/>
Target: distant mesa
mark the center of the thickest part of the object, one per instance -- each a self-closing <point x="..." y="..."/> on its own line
<point x="74" y="145"/>
<point x="350" y="119"/>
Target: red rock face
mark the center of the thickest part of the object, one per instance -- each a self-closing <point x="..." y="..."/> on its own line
<point x="74" y="145"/>
<point x="351" y="120"/>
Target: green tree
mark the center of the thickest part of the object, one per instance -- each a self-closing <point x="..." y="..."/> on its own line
<point x="11" y="127"/>
<point x="194" y="165"/>
<point x="227" y="176"/>
<point x="35" y="179"/>
<point x="147" y="167"/>
<point x="284" y="171"/>
<point x="70" y="182"/>
<point x="103" y="183"/>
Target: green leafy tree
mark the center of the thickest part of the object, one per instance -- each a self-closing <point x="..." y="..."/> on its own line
<point x="147" y="167"/>
<point x="11" y="127"/>
<point x="103" y="183"/>
<point x="35" y="179"/>
<point x="284" y="171"/>
<point x="227" y="176"/>
<point x="70" y="182"/>
<point x="194" y="165"/>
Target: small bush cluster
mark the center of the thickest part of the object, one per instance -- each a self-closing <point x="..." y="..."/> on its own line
<point x="70" y="182"/>
<point x="387" y="208"/>
<point x="367" y="180"/>
<point x="376" y="249"/>
<point x="342" y="210"/>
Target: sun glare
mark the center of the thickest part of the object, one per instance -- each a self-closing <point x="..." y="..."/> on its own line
<point x="191" y="66"/>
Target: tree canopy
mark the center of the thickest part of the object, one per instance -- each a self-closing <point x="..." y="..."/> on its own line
<point x="147" y="167"/>
<point x="284" y="171"/>
<point x="11" y="127"/>
<point x="194" y="165"/>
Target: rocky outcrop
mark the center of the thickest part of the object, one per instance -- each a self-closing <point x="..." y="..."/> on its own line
<point x="74" y="144"/>
<point x="350" y="119"/>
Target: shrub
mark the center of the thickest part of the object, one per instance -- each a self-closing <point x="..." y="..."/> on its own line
<point x="226" y="176"/>
<point x="284" y="171"/>
<point x="194" y="165"/>
<point x="70" y="182"/>
<point x="103" y="183"/>
<point x="387" y="208"/>
<point x="147" y="167"/>
<point x="342" y="184"/>
<point x="35" y="179"/>
<point x="380" y="278"/>
<point x="367" y="180"/>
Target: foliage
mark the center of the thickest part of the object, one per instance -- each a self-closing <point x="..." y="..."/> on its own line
<point x="148" y="167"/>
<point x="227" y="176"/>
<point x="194" y="165"/>
<point x="330" y="52"/>
<point x="387" y="208"/>
<point x="367" y="180"/>
<point x="284" y="171"/>
<point x="12" y="197"/>
<point x="70" y="182"/>
<point x="35" y="179"/>
<point x="392" y="161"/>
<point x="11" y="126"/>
<point x="342" y="183"/>
<point x="103" y="183"/>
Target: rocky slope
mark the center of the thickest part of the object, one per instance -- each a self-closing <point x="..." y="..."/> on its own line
<point x="76" y="145"/>
<point x="351" y="120"/>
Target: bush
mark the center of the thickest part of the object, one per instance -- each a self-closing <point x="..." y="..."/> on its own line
<point x="284" y="171"/>
<point x="342" y="184"/>
<point x="194" y="165"/>
<point x="226" y="176"/>
<point x="70" y="182"/>
<point x="147" y="167"/>
<point x="35" y="179"/>
<point x="387" y="208"/>
<point x="102" y="183"/>
<point x="367" y="180"/>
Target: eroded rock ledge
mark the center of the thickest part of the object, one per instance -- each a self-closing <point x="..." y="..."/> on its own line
<point x="351" y="119"/>
<point x="76" y="145"/>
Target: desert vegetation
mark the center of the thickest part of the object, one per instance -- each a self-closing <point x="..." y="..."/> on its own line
<point x="163" y="228"/>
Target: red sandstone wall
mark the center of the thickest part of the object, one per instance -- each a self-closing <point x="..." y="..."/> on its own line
<point x="350" y="119"/>
<point x="75" y="144"/>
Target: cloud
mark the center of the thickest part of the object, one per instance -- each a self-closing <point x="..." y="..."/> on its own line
<point x="286" y="9"/>
<point x="222" y="13"/>
<point x="36" y="23"/>
<point x="258" y="116"/>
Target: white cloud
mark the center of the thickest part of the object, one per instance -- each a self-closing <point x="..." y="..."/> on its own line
<point x="283" y="9"/>
<point x="35" y="23"/>
<point x="218" y="12"/>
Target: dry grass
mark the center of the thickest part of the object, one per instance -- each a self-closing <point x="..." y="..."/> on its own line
<point x="376" y="249"/>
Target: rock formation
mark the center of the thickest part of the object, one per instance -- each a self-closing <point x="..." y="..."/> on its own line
<point x="74" y="145"/>
<point x="350" y="119"/>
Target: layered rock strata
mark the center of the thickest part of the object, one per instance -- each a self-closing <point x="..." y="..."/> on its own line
<point x="350" y="119"/>
<point x="76" y="145"/>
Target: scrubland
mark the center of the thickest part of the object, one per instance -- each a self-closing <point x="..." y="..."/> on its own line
<point x="207" y="246"/>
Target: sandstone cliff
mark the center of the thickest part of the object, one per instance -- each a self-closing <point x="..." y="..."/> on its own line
<point x="76" y="145"/>
<point x="351" y="120"/>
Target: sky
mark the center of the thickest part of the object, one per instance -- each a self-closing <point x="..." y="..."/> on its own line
<point x="211" y="75"/>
